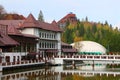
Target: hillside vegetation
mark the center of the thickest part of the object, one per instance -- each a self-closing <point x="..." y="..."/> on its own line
<point x="98" y="32"/>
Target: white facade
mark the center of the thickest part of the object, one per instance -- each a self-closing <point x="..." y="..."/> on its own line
<point x="47" y="39"/>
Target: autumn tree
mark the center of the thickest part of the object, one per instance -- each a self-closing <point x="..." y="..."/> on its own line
<point x="40" y="16"/>
<point x="2" y="12"/>
<point x="102" y="33"/>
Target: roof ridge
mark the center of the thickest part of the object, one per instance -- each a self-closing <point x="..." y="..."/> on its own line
<point x="30" y="20"/>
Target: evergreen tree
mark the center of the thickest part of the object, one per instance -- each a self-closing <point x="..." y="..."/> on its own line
<point x="40" y="16"/>
<point x="81" y="30"/>
<point x="86" y="19"/>
<point x="94" y="29"/>
<point x="98" y="32"/>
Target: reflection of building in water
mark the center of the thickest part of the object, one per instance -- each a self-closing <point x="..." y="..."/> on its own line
<point x="41" y="74"/>
<point x="90" y="67"/>
<point x="85" y="72"/>
<point x="55" y="73"/>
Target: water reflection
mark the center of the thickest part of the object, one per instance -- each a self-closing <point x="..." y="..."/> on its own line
<point x="82" y="72"/>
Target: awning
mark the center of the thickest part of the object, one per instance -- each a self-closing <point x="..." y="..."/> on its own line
<point x="69" y="50"/>
<point x="32" y="53"/>
<point x="52" y="50"/>
<point x="7" y="41"/>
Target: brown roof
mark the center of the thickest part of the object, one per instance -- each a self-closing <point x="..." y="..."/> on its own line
<point x="13" y="31"/>
<point x="54" y="22"/>
<point x="15" y="23"/>
<point x="31" y="22"/>
<point x="69" y="50"/>
<point x="64" y="19"/>
<point x="12" y="26"/>
<point x="48" y="26"/>
<point x="7" y="41"/>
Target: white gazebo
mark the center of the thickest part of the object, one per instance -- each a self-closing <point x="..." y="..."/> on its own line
<point x="89" y="47"/>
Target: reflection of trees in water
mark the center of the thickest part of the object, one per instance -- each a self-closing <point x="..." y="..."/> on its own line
<point x="113" y="66"/>
<point x="95" y="77"/>
<point x="49" y="74"/>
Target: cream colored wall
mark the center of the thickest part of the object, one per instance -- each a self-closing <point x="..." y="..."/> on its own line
<point x="28" y="31"/>
<point x="59" y="43"/>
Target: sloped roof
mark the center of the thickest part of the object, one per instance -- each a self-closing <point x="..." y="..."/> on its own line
<point x="66" y="17"/>
<point x="12" y="26"/>
<point x="13" y="31"/>
<point x="7" y="41"/>
<point x="54" y="22"/>
<point x="48" y="26"/>
<point x="31" y="22"/>
<point x="15" y="23"/>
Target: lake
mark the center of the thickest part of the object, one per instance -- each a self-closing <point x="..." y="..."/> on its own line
<point x="66" y="72"/>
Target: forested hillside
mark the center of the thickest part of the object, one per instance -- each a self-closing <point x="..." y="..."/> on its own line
<point x="98" y="32"/>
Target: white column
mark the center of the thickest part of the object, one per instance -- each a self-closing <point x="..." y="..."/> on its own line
<point x="59" y="43"/>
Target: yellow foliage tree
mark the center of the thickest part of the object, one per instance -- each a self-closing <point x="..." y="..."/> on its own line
<point x="76" y="39"/>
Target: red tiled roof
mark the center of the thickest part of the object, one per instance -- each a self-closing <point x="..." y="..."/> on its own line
<point x="66" y="17"/>
<point x="15" y="23"/>
<point x="54" y="22"/>
<point x="48" y="26"/>
<point x="13" y="31"/>
<point x="12" y="26"/>
<point x="7" y="41"/>
<point x="31" y="22"/>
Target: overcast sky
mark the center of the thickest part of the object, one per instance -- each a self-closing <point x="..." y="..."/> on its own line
<point x="95" y="10"/>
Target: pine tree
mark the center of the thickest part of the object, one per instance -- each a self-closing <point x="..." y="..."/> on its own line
<point x="40" y="16"/>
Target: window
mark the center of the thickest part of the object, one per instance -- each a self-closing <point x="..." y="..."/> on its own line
<point x="40" y="34"/>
